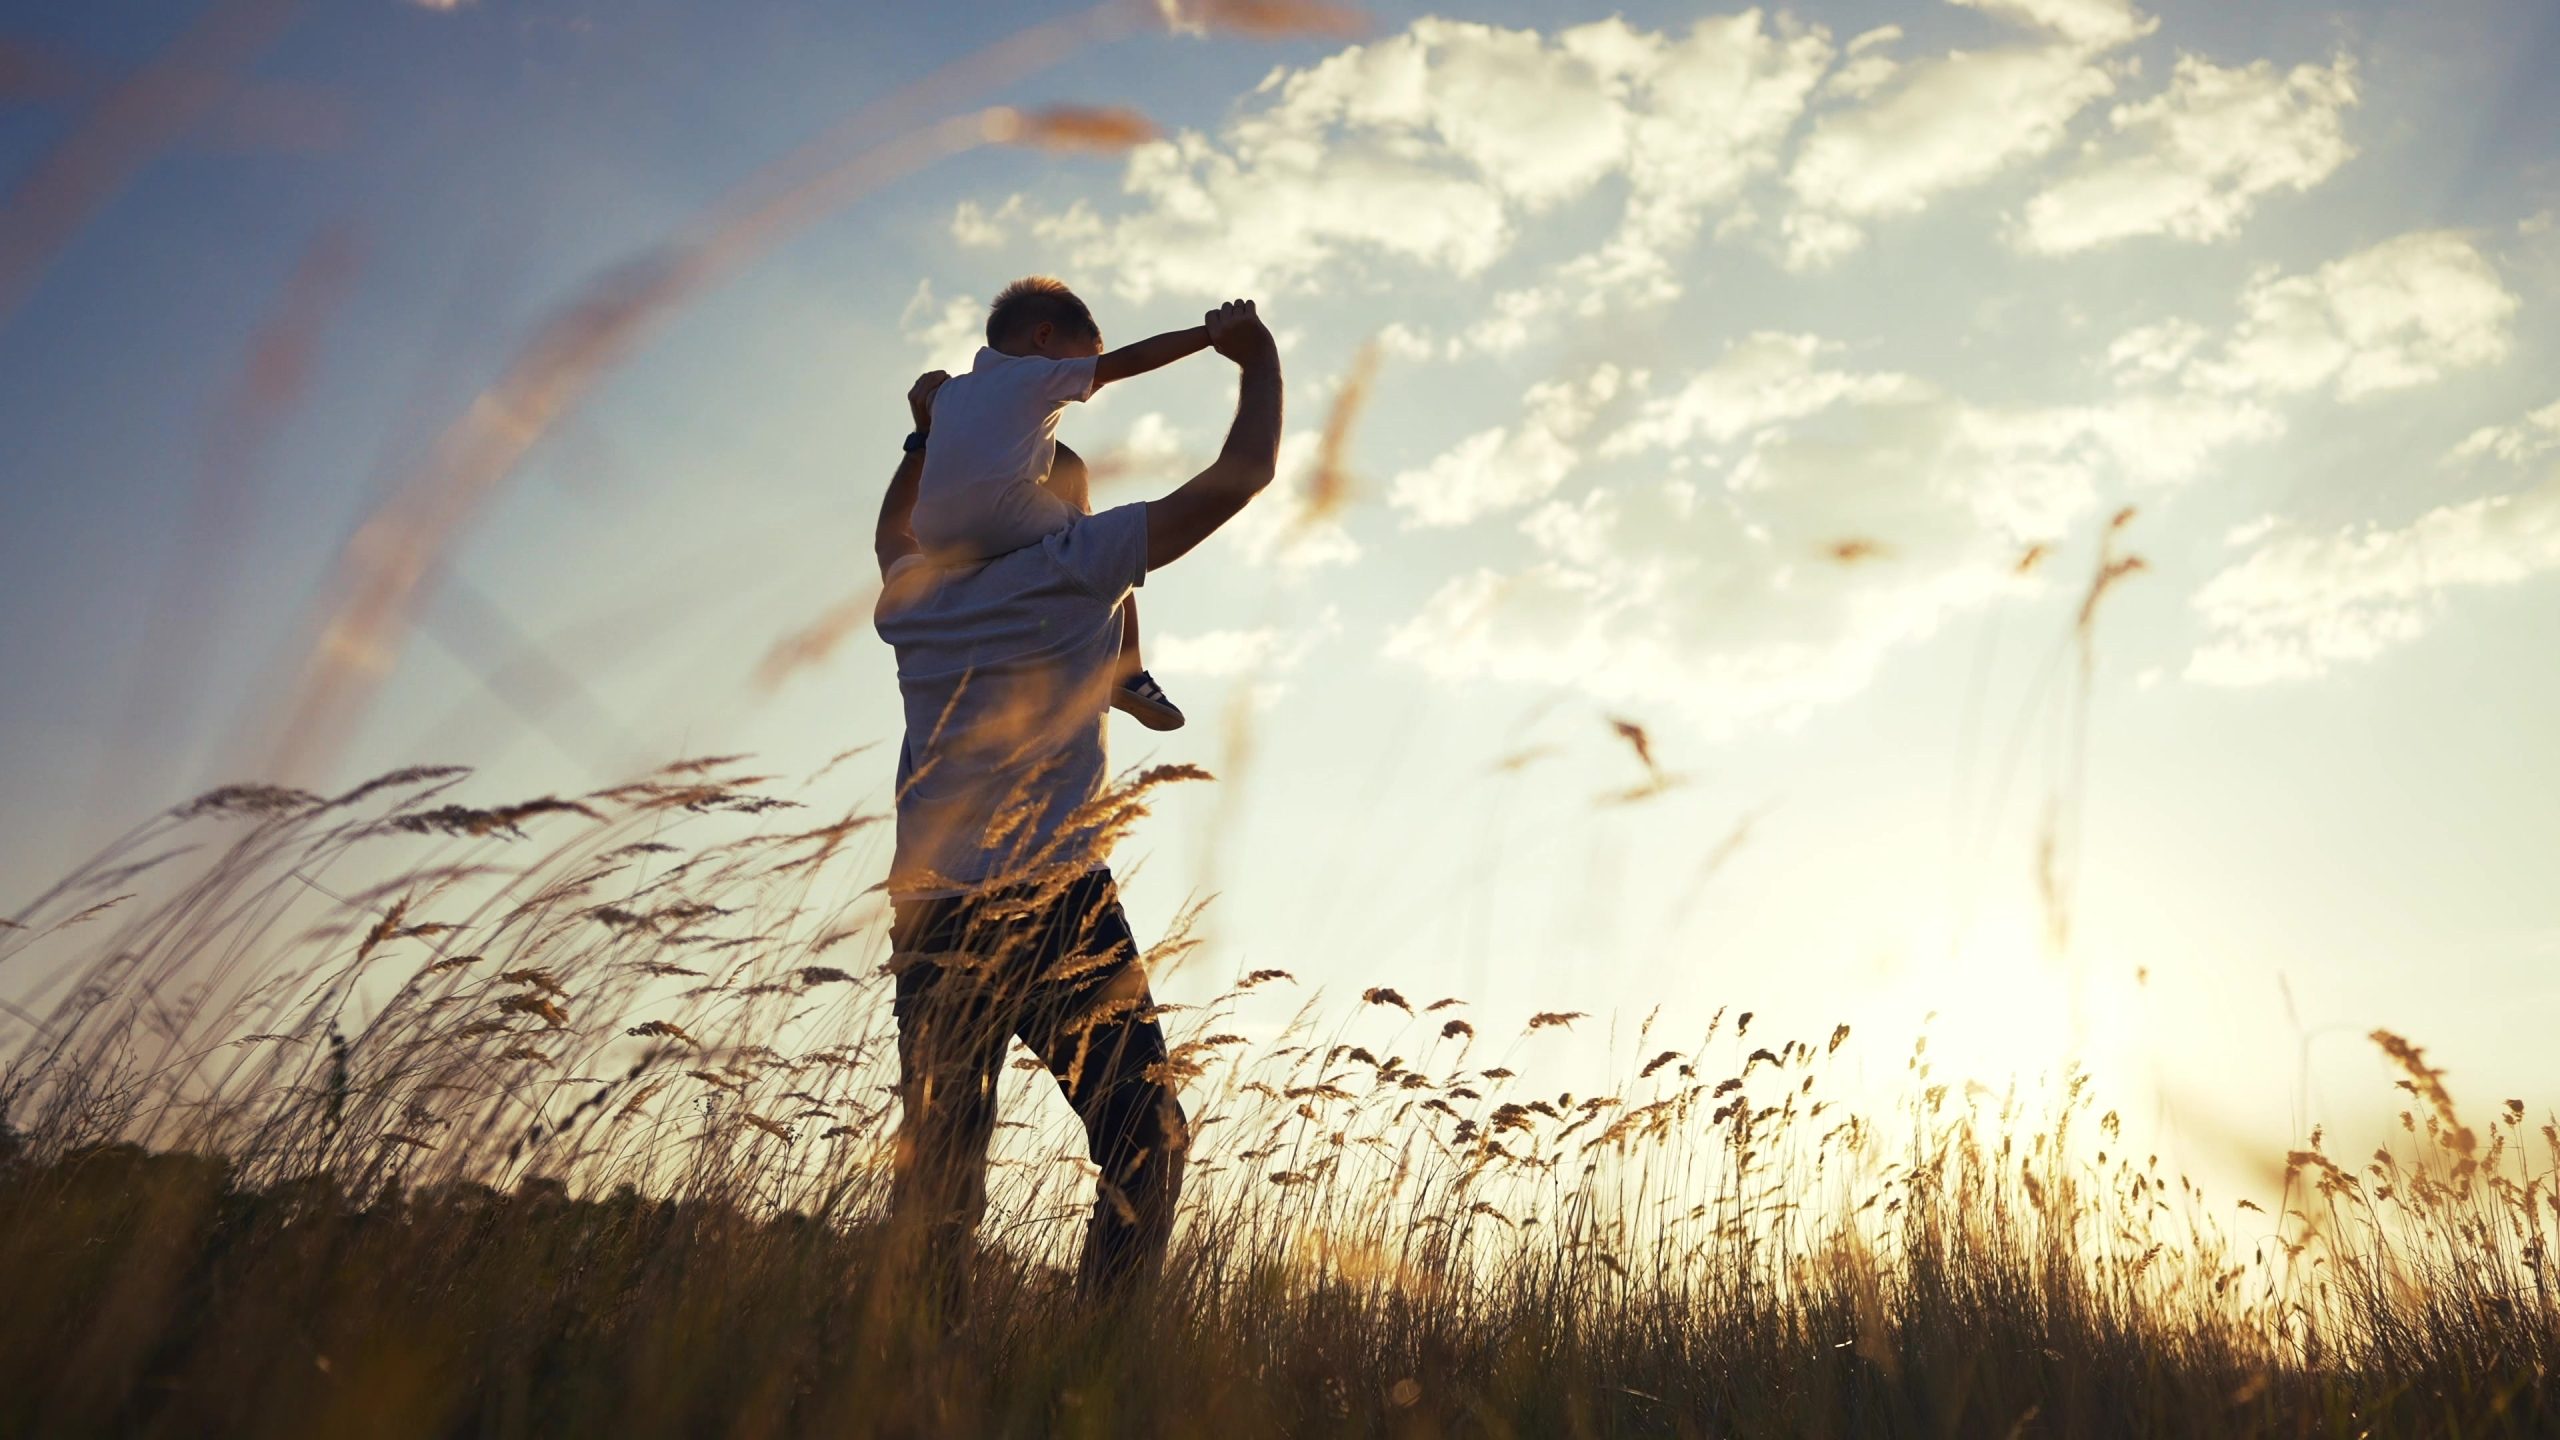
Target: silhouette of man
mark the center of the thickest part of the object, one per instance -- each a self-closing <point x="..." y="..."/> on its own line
<point x="1006" y="921"/>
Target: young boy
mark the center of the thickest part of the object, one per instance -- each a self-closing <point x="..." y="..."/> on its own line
<point x="993" y="481"/>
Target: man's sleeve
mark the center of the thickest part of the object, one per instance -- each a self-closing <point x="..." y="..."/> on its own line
<point x="1064" y="380"/>
<point x="1106" y="553"/>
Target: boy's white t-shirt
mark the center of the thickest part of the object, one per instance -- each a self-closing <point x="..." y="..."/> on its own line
<point x="995" y="431"/>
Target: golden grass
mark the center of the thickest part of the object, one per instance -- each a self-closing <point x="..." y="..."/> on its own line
<point x="401" y="1115"/>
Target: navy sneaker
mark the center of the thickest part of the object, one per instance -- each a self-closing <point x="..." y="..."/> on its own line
<point x="1142" y="697"/>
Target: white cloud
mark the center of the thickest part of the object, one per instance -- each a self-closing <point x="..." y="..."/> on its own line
<point x="1148" y="455"/>
<point x="1951" y="122"/>
<point x="2531" y="438"/>
<point x="1262" y="652"/>
<point x="946" y="333"/>
<point x="1862" y="75"/>
<point x="2169" y="440"/>
<point x="1714" y="109"/>
<point x="2250" y="532"/>
<point x="2158" y="351"/>
<point x="1216" y="653"/>
<point x="2299" y="605"/>
<point x="1725" y="600"/>
<point x="1578" y="534"/>
<point x="975" y="227"/>
<point x="1218" y="222"/>
<point x="1932" y="126"/>
<point x="1771" y="379"/>
<point x="1400" y="341"/>
<point x="2404" y="313"/>
<point x="1511" y="465"/>
<point x="1422" y="147"/>
<point x="1433" y="146"/>
<point x="1876" y="39"/>
<point x="1863" y="70"/>
<point x="1713" y="616"/>
<point x="1153" y="439"/>
<point x="1539" y="121"/>
<point x="2084" y="22"/>
<point x="1761" y="380"/>
<point x="1509" y="319"/>
<point x="2193" y="161"/>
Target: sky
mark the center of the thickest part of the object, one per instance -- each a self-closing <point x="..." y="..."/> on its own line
<point x="1771" y="380"/>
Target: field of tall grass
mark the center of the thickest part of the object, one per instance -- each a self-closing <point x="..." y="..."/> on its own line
<point x="396" y="1113"/>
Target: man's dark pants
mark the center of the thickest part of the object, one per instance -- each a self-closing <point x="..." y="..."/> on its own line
<point x="1063" y="973"/>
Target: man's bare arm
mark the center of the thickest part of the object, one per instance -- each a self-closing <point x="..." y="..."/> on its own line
<point x="1153" y="353"/>
<point x="1246" y="463"/>
<point x="893" y="538"/>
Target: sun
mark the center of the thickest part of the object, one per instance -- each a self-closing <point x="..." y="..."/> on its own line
<point x="1999" y="1006"/>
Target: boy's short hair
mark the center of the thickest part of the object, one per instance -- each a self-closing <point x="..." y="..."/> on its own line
<point x="1034" y="300"/>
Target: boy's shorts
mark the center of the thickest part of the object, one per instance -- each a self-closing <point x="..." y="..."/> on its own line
<point x="981" y="522"/>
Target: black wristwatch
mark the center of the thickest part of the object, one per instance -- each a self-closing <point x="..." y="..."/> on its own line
<point x="915" y="441"/>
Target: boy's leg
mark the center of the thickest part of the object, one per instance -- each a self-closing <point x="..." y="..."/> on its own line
<point x="1130" y="661"/>
<point x="1090" y="1023"/>
<point x="1071" y="480"/>
<point x="1133" y="690"/>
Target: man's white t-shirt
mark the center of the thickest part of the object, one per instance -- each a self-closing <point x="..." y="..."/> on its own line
<point x="1006" y="668"/>
<point x="995" y="437"/>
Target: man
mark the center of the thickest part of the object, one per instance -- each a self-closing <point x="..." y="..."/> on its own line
<point x="1006" y="919"/>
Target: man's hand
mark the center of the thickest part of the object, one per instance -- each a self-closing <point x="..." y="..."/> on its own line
<point x="920" y="397"/>
<point x="1245" y="464"/>
<point x="1236" y="332"/>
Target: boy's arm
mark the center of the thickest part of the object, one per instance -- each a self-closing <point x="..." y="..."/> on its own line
<point x="1245" y="464"/>
<point x="892" y="539"/>
<point x="1153" y="353"/>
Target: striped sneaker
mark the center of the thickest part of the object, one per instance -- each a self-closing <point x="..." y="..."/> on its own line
<point x="1142" y="697"/>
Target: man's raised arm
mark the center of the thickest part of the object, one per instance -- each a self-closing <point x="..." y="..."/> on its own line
<point x="1246" y="463"/>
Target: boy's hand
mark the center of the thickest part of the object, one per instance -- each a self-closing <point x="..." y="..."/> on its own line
<point x="920" y="397"/>
<point x="1236" y="331"/>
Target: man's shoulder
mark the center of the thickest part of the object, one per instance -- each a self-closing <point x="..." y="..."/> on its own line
<point x="1091" y="563"/>
<point x="1106" y="552"/>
